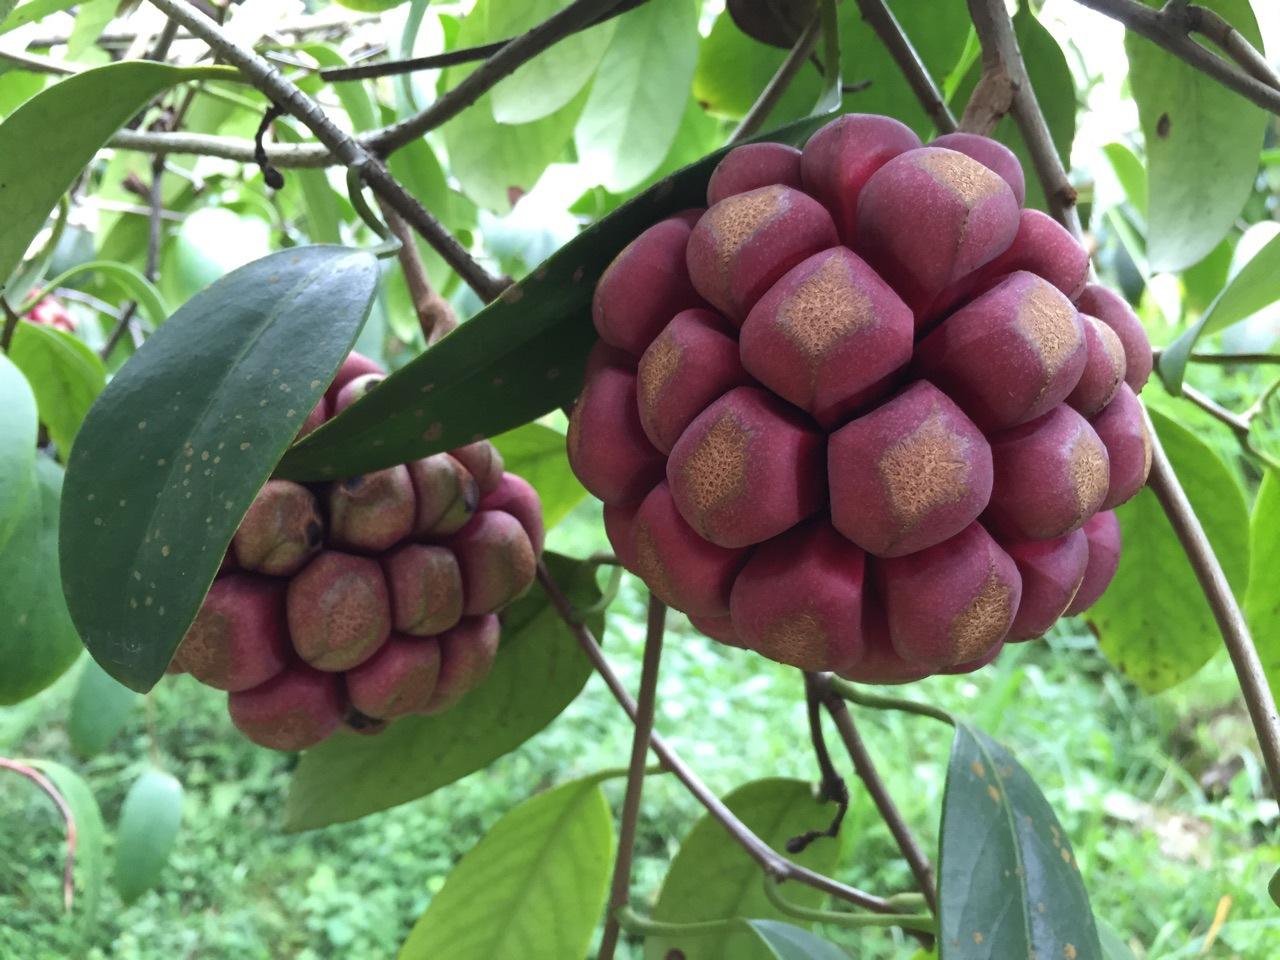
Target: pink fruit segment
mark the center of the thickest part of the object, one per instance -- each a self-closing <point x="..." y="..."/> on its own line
<point x="619" y="524"/>
<point x="992" y="154"/>
<point x="691" y="363"/>
<point x="840" y="158"/>
<point x="497" y="561"/>
<point x="747" y="468"/>
<point x="295" y="710"/>
<point x="515" y="496"/>
<point x="743" y="244"/>
<point x="373" y="512"/>
<point x="951" y="603"/>
<point x="356" y="365"/>
<point x="608" y="449"/>
<point x="1103" y="534"/>
<point x="1009" y="356"/>
<point x="1051" y="571"/>
<point x="799" y="599"/>
<point x="644" y="287"/>
<point x="484" y="462"/>
<point x="1103" y="370"/>
<point x="239" y="638"/>
<point x="1112" y="310"/>
<point x="880" y="663"/>
<point x="751" y="166"/>
<point x="828" y="335"/>
<point x="467" y="653"/>
<point x="318" y="415"/>
<point x="339" y="611"/>
<point x="426" y="589"/>
<point x="1050" y="476"/>
<point x="281" y="530"/>
<point x="446" y="495"/>
<point x="399" y="679"/>
<point x="1123" y="431"/>
<point x="355" y="389"/>
<point x="718" y="628"/>
<point x="909" y="474"/>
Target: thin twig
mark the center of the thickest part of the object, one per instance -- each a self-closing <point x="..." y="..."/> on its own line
<point x="1169" y="27"/>
<point x="503" y="63"/>
<point x="832" y="786"/>
<point x="879" y="701"/>
<point x="779" y="83"/>
<point x="1226" y="359"/>
<point x="881" y="19"/>
<point x="38" y="64"/>
<point x="10" y="325"/>
<point x="342" y="145"/>
<point x="282" y="155"/>
<point x="620" y="893"/>
<point x="435" y="314"/>
<point x="775" y="865"/>
<point x="59" y="801"/>
<point x="863" y="765"/>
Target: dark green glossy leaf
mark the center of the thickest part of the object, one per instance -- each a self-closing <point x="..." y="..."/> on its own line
<point x="176" y="447"/>
<point x="1202" y="145"/>
<point x="538" y="672"/>
<point x="65" y="375"/>
<point x="1273" y="888"/>
<point x="38" y="642"/>
<point x="711" y="878"/>
<point x="1153" y="622"/>
<point x="100" y="708"/>
<point x="1262" y="601"/>
<point x="532" y="889"/>
<point x="537" y="453"/>
<point x="1008" y="882"/>
<point x="19" y="426"/>
<point x="787" y="942"/>
<point x="47" y="141"/>
<point x="149" y="821"/>
<point x="1256" y="286"/>
<point x="517" y="359"/>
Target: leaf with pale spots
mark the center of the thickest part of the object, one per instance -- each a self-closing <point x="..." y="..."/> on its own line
<point x="517" y="359"/>
<point x="1008" y="881"/>
<point x="174" y="450"/>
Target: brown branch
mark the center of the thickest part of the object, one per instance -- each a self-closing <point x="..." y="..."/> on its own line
<point x="576" y="16"/>
<point x="59" y="801"/>
<point x="620" y="893"/>
<point x="775" y="865"/>
<point x="831" y="785"/>
<point x="779" y="83"/>
<point x="37" y="64"/>
<point x="881" y="19"/>
<point x="1169" y="28"/>
<point x="10" y="325"/>
<point x="435" y="314"/>
<point x="863" y="765"/>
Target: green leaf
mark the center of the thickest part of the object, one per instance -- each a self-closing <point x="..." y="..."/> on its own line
<point x="65" y="375"/>
<point x="1008" y="882"/>
<point x="1131" y="174"/>
<point x="100" y="708"/>
<point x="732" y="69"/>
<point x="174" y="450"/>
<point x="1202" y="145"/>
<point x="553" y="78"/>
<point x="787" y="942"/>
<point x="129" y="280"/>
<point x="712" y="878"/>
<point x="149" y="821"/>
<point x="19" y="426"/>
<point x="1153" y="622"/>
<point x="533" y="888"/>
<point x="637" y="100"/>
<point x="6" y="8"/>
<point x="91" y="861"/>
<point x="520" y="357"/>
<point x="349" y="777"/>
<point x="1255" y="287"/>
<point x="38" y="642"/>
<point x="1262" y="600"/>
<point x="1273" y="888"/>
<point x="371" y="6"/>
<point x="32" y="12"/>
<point x="537" y="453"/>
<point x="17" y="87"/>
<point x="48" y="141"/>
<point x="1113" y="945"/>
<point x="92" y="18"/>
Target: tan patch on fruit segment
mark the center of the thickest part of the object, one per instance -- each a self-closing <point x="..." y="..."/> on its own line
<point x="1146" y="450"/>
<point x="661" y="361"/>
<point x="798" y="639"/>
<point x="648" y="563"/>
<point x="978" y="627"/>
<point x="206" y="649"/>
<point x="1089" y="473"/>
<point x="825" y="308"/>
<point x="1045" y="322"/>
<point x="716" y="471"/>
<point x="925" y="470"/>
<point x="966" y="178"/>
<point x="1111" y="346"/>
<point x="735" y="220"/>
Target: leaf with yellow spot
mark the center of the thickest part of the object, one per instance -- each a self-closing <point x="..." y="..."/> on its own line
<point x="174" y="450"/>
<point x="1008" y="882"/>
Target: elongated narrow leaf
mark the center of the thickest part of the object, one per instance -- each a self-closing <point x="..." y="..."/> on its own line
<point x="176" y="447"/>
<point x="47" y="141"/>
<point x="18" y="428"/>
<point x="712" y="878"/>
<point x="1153" y="622"/>
<point x="533" y="888"/>
<point x="128" y="279"/>
<point x="1262" y="602"/>
<point x="31" y="12"/>
<point x="1131" y="174"/>
<point x="1008" y="882"/>
<point x="788" y="942"/>
<point x="517" y="359"/>
<point x="538" y="672"/>
<point x="1202" y="145"/>
<point x="65" y="375"/>
<point x="149" y="822"/>
<point x="1255" y="287"/>
<point x="100" y="708"/>
<point x="537" y="453"/>
<point x="1113" y="945"/>
<point x="38" y="642"/>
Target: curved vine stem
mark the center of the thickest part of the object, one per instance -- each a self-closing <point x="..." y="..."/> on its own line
<point x="68" y="818"/>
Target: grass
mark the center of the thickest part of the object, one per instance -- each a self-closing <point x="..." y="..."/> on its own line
<point x="1160" y="853"/>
